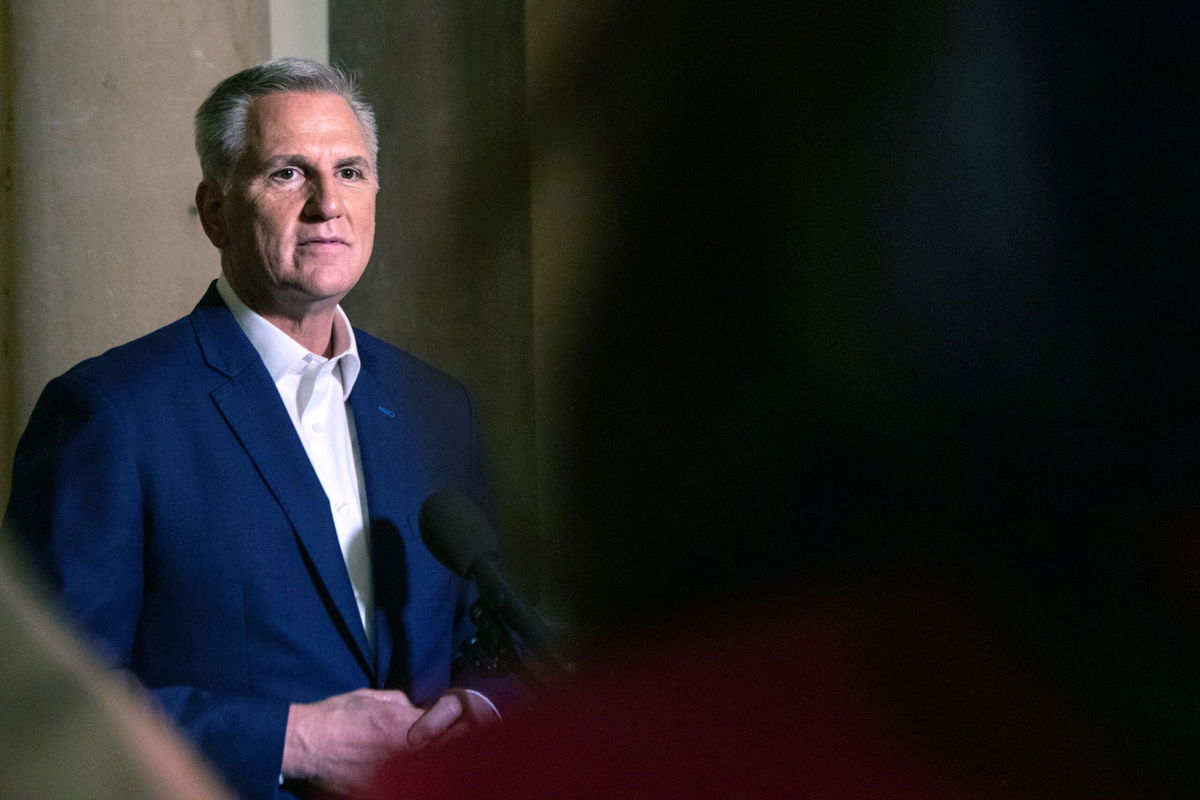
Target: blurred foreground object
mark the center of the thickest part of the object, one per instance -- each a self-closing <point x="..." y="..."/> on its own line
<point x="882" y="430"/>
<point x="70" y="730"/>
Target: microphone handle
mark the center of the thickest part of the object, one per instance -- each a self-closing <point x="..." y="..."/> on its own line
<point x="512" y="608"/>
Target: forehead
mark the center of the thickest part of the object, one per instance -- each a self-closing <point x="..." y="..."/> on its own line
<point x="302" y="122"/>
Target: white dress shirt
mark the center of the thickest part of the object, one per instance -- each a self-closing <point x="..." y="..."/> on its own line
<point x="315" y="391"/>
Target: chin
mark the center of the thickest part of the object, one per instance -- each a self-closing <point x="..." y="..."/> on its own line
<point x="327" y="277"/>
<point x="332" y="288"/>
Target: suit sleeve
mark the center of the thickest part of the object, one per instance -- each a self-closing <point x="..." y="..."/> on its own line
<point x="77" y="503"/>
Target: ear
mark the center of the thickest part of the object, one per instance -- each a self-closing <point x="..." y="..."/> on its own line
<point x="209" y="204"/>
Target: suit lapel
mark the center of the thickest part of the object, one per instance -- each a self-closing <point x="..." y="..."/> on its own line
<point x="382" y="427"/>
<point x="251" y="406"/>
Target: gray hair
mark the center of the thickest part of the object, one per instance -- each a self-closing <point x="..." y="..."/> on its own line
<point x="221" y="119"/>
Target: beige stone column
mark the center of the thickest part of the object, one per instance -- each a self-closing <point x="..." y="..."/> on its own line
<point x="570" y="226"/>
<point x="103" y="242"/>
<point x="8" y="426"/>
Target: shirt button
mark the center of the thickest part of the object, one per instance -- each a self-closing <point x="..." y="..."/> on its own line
<point x="317" y="427"/>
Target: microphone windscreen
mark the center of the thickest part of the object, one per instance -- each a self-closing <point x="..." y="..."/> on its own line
<point x="455" y="530"/>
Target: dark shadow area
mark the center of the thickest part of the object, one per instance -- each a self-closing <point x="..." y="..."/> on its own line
<point x="888" y="412"/>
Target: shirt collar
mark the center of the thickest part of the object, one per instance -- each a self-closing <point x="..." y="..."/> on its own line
<point x="281" y="353"/>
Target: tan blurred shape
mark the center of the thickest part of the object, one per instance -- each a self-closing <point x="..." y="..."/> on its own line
<point x="68" y="728"/>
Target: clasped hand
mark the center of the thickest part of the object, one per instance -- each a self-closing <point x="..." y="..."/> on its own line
<point x="339" y="743"/>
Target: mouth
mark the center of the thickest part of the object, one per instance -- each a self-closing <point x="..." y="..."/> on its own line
<point x="319" y="241"/>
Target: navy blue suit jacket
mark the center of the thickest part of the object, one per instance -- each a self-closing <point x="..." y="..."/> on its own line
<point x="164" y="490"/>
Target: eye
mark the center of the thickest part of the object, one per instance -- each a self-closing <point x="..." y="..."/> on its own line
<point x="349" y="173"/>
<point x="286" y="174"/>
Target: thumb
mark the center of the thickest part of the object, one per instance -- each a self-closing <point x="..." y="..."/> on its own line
<point x="434" y="722"/>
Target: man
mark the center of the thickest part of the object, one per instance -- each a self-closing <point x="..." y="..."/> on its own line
<point x="227" y="507"/>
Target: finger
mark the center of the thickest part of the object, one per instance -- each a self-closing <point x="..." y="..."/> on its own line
<point x="440" y="716"/>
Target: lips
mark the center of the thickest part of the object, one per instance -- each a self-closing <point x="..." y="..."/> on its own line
<point x="322" y="240"/>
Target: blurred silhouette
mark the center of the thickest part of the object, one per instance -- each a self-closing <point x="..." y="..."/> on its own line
<point x="70" y="729"/>
<point x="884" y="453"/>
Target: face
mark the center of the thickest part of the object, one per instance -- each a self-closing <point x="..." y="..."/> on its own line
<point x="298" y="222"/>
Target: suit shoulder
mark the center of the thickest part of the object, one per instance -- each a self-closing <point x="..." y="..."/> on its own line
<point x="145" y="359"/>
<point x="382" y="358"/>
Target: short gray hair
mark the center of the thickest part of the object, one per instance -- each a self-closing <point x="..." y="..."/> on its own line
<point x="221" y="119"/>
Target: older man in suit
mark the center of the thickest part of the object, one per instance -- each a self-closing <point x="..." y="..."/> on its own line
<point x="227" y="507"/>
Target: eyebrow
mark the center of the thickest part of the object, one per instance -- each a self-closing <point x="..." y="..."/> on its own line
<point x="287" y="159"/>
<point x="353" y="161"/>
<point x="283" y="160"/>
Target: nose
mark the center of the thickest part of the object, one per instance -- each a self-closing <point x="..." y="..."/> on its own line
<point x="324" y="199"/>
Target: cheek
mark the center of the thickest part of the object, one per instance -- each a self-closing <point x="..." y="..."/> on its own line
<point x="270" y="232"/>
<point x="366" y="216"/>
<point x="366" y="207"/>
<point x="367" y="233"/>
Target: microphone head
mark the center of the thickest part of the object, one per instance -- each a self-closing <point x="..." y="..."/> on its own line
<point x="455" y="530"/>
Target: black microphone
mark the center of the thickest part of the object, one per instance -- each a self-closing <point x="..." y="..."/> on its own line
<point x="457" y="533"/>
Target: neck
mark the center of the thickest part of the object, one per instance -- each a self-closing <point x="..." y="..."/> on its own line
<point x="309" y="322"/>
